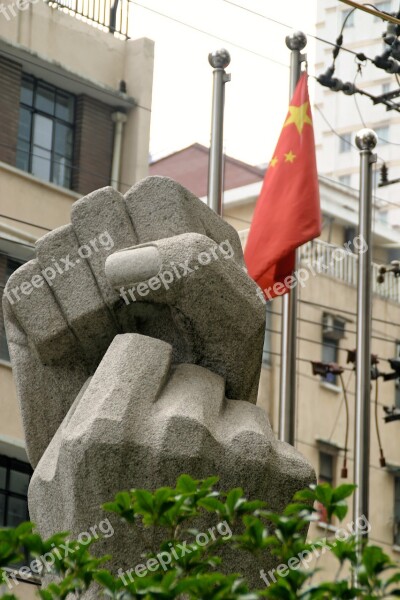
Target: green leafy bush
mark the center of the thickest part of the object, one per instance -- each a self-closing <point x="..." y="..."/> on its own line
<point x="186" y="567"/>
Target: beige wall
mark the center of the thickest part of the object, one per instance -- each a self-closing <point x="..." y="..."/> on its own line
<point x="21" y="590"/>
<point x="319" y="405"/>
<point x="102" y="59"/>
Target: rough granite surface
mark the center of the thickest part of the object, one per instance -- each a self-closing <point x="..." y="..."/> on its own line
<point x="122" y="390"/>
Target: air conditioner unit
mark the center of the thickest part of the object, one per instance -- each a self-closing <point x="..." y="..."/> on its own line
<point x="333" y="327"/>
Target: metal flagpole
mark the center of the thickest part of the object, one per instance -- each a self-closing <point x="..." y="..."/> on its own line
<point x="219" y="60"/>
<point x="287" y="407"/>
<point x="366" y="141"/>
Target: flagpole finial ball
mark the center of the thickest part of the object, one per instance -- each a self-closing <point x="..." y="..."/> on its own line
<point x="296" y="40"/>
<point x="366" y="139"/>
<point x="219" y="59"/>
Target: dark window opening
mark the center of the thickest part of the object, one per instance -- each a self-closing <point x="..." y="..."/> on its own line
<point x="14" y="480"/>
<point x="397" y="511"/>
<point x="326" y="475"/>
<point x="7" y="266"/>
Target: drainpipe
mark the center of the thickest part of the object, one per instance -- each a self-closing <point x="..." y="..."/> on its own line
<point x="119" y="118"/>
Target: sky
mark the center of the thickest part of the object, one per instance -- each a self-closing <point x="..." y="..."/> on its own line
<point x="256" y="99"/>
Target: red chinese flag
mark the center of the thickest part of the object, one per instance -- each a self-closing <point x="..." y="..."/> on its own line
<point x="288" y="212"/>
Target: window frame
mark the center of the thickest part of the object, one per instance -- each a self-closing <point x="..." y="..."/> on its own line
<point x="350" y="20"/>
<point x="345" y="179"/>
<point x="266" y="353"/>
<point x="323" y="517"/>
<point x="13" y="464"/>
<point x="344" y="143"/>
<point x="19" y="262"/>
<point x="381" y="131"/>
<point x="33" y="110"/>
<point x="396" y="510"/>
<point x="381" y="7"/>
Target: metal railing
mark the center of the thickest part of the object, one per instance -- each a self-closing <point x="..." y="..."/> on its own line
<point x="108" y="15"/>
<point x="338" y="263"/>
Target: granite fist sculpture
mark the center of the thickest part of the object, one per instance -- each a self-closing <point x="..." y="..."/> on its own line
<point x="136" y="341"/>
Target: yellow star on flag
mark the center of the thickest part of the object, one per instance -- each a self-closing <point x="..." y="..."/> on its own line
<point x="289" y="156"/>
<point x="273" y="161"/>
<point x="298" y="115"/>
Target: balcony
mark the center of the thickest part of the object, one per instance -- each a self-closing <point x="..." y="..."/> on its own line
<point x="107" y="15"/>
<point x="321" y="257"/>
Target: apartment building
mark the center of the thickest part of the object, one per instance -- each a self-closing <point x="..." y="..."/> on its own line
<point x="75" y="102"/>
<point x="326" y="332"/>
<point x="338" y="116"/>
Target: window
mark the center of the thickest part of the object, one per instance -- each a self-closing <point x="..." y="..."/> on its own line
<point x="7" y="267"/>
<point x="385" y="6"/>
<point x="350" y="17"/>
<point x="330" y="350"/>
<point x="345" y="180"/>
<point x="386" y="88"/>
<point x="45" y="134"/>
<point x="397" y="382"/>
<point x="345" y="142"/>
<point x="266" y="357"/>
<point x="348" y="238"/>
<point x="333" y="330"/>
<point x="14" y="481"/>
<point x="383" y="134"/>
<point x="326" y="475"/>
<point x="396" y="536"/>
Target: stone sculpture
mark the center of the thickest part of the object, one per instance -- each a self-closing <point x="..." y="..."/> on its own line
<point x="136" y="341"/>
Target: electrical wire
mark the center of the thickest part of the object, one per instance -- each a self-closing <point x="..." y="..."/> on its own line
<point x="17" y="243"/>
<point x="72" y="167"/>
<point x="87" y="84"/>
<point x="212" y="35"/>
<point x="362" y="118"/>
<point x="311" y="35"/>
<point x="346" y="437"/>
<point x="378" y="435"/>
<point x="388" y="338"/>
<point x="24" y="222"/>
<point x="339" y="410"/>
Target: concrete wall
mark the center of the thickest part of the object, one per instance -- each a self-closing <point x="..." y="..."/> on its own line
<point x="99" y="57"/>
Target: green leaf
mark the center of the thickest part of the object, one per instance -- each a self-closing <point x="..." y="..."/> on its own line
<point x="212" y="504"/>
<point x="144" y="501"/>
<point x="343" y="491"/>
<point x="323" y="493"/>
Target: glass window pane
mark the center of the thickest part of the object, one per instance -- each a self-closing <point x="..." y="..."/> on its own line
<point x="65" y="107"/>
<point x="23" y="156"/>
<point x="42" y="131"/>
<point x="61" y="171"/>
<point x="63" y="140"/>
<point x="2" y="509"/>
<point x="41" y="163"/>
<point x="17" y="511"/>
<point x="326" y="467"/>
<point x="27" y="92"/>
<point x="4" y="353"/>
<point x="45" y="97"/>
<point x="3" y="474"/>
<point x="19" y="482"/>
<point x="24" y="129"/>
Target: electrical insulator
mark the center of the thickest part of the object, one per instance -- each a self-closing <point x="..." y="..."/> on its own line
<point x="384" y="173"/>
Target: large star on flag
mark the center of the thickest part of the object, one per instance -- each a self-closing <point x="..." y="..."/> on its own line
<point x="298" y="115"/>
